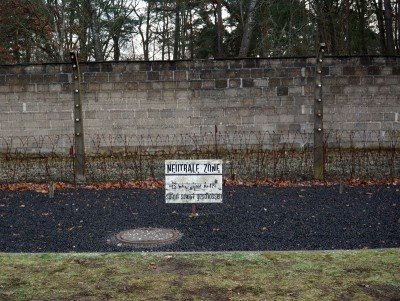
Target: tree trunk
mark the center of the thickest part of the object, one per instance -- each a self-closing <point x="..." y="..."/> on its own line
<point x="142" y="34"/>
<point x="117" y="50"/>
<point x="177" y="31"/>
<point x="84" y="15"/>
<point x="146" y="40"/>
<point x="57" y="14"/>
<point x="264" y="39"/>
<point x="332" y="35"/>
<point x="191" y="38"/>
<point x="133" y="50"/>
<point x="183" y="31"/>
<point x="248" y="30"/>
<point x="98" y="55"/>
<point x="347" y="28"/>
<point x="389" y="27"/>
<point x="28" y="52"/>
<point x="320" y="24"/>
<point x="163" y="35"/>
<point x="144" y="45"/>
<point x="63" y="30"/>
<point x="381" y="25"/>
<point x="362" y="16"/>
<point x="220" y="30"/>
<point x="167" y="38"/>
<point x="398" y="27"/>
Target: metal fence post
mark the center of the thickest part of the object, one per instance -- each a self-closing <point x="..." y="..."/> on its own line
<point x="318" y="117"/>
<point x="79" y="158"/>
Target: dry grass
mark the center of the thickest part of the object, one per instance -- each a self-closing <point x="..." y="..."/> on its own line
<point x="334" y="275"/>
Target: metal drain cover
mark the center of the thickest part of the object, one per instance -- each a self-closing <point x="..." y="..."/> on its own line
<point x="148" y="237"/>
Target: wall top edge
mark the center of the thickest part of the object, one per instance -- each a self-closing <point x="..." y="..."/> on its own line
<point x="207" y="60"/>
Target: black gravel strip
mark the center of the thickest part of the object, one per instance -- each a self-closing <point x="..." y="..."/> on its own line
<point x="250" y="218"/>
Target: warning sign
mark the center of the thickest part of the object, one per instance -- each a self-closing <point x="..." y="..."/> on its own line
<point x="193" y="181"/>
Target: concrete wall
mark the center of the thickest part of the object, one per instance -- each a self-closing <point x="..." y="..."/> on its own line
<point x="191" y="97"/>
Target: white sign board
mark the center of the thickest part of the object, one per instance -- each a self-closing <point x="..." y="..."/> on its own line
<point x="193" y="181"/>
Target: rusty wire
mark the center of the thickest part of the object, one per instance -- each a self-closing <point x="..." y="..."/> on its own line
<point x="246" y="155"/>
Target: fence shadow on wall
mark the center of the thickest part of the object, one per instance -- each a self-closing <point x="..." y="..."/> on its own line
<point x="246" y="155"/>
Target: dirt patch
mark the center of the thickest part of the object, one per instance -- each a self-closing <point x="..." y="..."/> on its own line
<point x="248" y="289"/>
<point x="278" y="262"/>
<point x="57" y="270"/>
<point x="8" y="296"/>
<point x="286" y="293"/>
<point x="223" y="262"/>
<point x="209" y="293"/>
<point x="80" y="297"/>
<point x="176" y="266"/>
<point x="87" y="263"/>
<point x="357" y="270"/>
<point x="383" y="292"/>
<point x="131" y="288"/>
<point x="16" y="282"/>
<point x="345" y="296"/>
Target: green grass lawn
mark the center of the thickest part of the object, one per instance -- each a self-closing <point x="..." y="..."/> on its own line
<point x="334" y="275"/>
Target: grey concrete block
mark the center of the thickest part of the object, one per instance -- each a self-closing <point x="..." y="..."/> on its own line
<point x="182" y="85"/>
<point x="208" y="84"/>
<point x="55" y="88"/>
<point x="169" y="85"/>
<point x="181" y="75"/>
<point x="106" y="87"/>
<point x="133" y="77"/>
<point x="281" y="91"/>
<point x="374" y="70"/>
<point x="257" y="73"/>
<point x="95" y="77"/>
<point x="247" y="82"/>
<point x="221" y="83"/>
<point x="153" y="113"/>
<point x="246" y="120"/>
<point x="153" y="75"/>
<point x="196" y="121"/>
<point x="261" y="82"/>
<point x="234" y="83"/>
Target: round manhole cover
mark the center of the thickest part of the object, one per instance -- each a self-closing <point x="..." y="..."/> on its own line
<point x="148" y="237"/>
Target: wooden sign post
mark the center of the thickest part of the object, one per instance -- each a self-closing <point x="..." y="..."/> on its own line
<point x="318" y="118"/>
<point x="79" y="158"/>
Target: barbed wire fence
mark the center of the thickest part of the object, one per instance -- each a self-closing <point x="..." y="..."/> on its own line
<point x="246" y="155"/>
